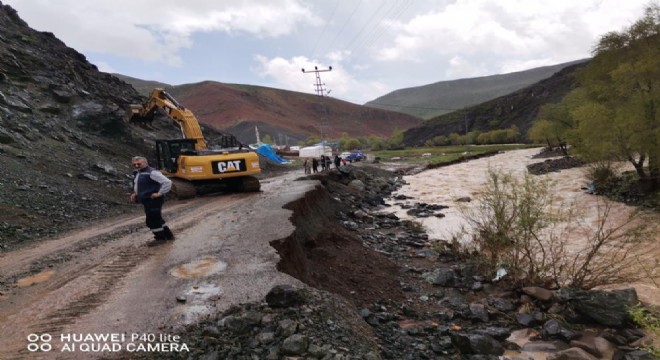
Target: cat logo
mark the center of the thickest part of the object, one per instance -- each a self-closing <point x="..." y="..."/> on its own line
<point x="229" y="166"/>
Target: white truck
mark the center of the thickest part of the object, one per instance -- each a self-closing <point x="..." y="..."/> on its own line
<point x="315" y="151"/>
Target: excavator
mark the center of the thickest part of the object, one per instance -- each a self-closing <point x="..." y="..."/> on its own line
<point x="193" y="167"/>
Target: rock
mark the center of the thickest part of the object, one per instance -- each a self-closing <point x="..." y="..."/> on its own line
<point x="88" y="177"/>
<point x="498" y="333"/>
<point x="266" y="337"/>
<point x="63" y="96"/>
<point x="441" y="277"/>
<point x="287" y="327"/>
<point x="551" y="328"/>
<point x="211" y="331"/>
<point x="464" y="199"/>
<point x="546" y="346"/>
<point x="295" y="345"/>
<point x="360" y="214"/>
<point x="572" y="354"/>
<point x="476" y="344"/>
<point x="529" y="320"/>
<point x="106" y="168"/>
<point x="501" y="304"/>
<point x="236" y="324"/>
<point x="357" y="185"/>
<point x="479" y="312"/>
<point x="638" y="355"/>
<point x="586" y="346"/>
<point x="284" y="296"/>
<point x="538" y="293"/>
<point x="609" y="308"/>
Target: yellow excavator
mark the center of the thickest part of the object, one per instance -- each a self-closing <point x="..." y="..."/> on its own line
<point x="192" y="166"/>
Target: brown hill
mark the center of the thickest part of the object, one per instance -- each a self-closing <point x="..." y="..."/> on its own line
<point x="239" y="108"/>
<point x="284" y="115"/>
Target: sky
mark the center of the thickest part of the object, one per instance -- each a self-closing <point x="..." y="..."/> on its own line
<point x="373" y="46"/>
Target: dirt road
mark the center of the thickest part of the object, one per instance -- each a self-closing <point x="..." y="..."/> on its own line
<point x="105" y="280"/>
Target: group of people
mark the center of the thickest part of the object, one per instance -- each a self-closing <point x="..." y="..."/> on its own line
<point x="312" y="165"/>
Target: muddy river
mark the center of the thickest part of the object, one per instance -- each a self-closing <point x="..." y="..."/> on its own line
<point x="445" y="185"/>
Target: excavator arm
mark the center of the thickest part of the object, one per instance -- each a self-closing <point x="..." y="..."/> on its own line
<point x="182" y="117"/>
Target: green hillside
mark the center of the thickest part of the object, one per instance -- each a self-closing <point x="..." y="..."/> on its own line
<point x="443" y="97"/>
<point x="519" y="108"/>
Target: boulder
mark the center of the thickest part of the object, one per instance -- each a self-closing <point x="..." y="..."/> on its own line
<point x="284" y="296"/>
<point x="609" y="308"/>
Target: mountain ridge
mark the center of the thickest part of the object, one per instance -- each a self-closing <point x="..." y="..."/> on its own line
<point x="519" y="108"/>
<point x="431" y="100"/>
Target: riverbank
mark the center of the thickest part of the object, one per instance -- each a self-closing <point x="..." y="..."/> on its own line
<point x="401" y="296"/>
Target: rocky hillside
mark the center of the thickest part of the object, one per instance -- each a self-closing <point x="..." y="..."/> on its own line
<point x="518" y="108"/>
<point x="443" y="97"/>
<point x="64" y="145"/>
<point x="282" y="114"/>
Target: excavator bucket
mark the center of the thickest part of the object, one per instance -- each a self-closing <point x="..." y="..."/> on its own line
<point x="135" y="114"/>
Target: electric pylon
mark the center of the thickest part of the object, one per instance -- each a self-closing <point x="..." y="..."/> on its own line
<point x="319" y="86"/>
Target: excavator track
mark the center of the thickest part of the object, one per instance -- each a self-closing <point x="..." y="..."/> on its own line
<point x="250" y="184"/>
<point x="183" y="189"/>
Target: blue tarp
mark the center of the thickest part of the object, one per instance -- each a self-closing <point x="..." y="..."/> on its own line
<point x="268" y="152"/>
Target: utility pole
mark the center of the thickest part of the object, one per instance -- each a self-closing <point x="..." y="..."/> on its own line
<point x="320" y="91"/>
<point x="319" y="86"/>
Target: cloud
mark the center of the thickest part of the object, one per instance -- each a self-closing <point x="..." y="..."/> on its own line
<point x="156" y="31"/>
<point x="287" y="74"/>
<point x="487" y="34"/>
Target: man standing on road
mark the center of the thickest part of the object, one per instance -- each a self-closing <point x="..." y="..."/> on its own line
<point x="149" y="189"/>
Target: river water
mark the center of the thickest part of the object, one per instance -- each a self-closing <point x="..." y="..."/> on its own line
<point x="445" y="185"/>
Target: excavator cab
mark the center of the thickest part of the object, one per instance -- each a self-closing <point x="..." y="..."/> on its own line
<point x="168" y="152"/>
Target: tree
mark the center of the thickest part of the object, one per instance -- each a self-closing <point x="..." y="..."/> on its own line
<point x="352" y="144"/>
<point x="377" y="143"/>
<point x="554" y="124"/>
<point x="267" y="139"/>
<point x="620" y="115"/>
<point x="396" y="140"/>
<point x="312" y="139"/>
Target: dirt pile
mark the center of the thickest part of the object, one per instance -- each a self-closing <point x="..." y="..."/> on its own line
<point x="551" y="165"/>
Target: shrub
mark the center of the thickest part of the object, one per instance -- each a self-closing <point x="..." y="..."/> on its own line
<point x="601" y="172"/>
<point x="517" y="224"/>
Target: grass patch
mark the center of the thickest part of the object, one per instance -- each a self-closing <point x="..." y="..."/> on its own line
<point x="440" y="155"/>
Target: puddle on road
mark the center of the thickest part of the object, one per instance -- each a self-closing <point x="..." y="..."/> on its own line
<point x="35" y="279"/>
<point x="199" y="268"/>
<point x="199" y="299"/>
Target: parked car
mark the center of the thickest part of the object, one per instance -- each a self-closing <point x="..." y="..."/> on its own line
<point x="344" y="155"/>
<point x="356" y="156"/>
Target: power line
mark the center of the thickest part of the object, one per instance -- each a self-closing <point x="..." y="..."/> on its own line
<point x="345" y="23"/>
<point x="399" y="11"/>
<point x="325" y="28"/>
<point x="357" y="35"/>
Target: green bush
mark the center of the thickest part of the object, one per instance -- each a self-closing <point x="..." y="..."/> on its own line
<point x="649" y="320"/>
